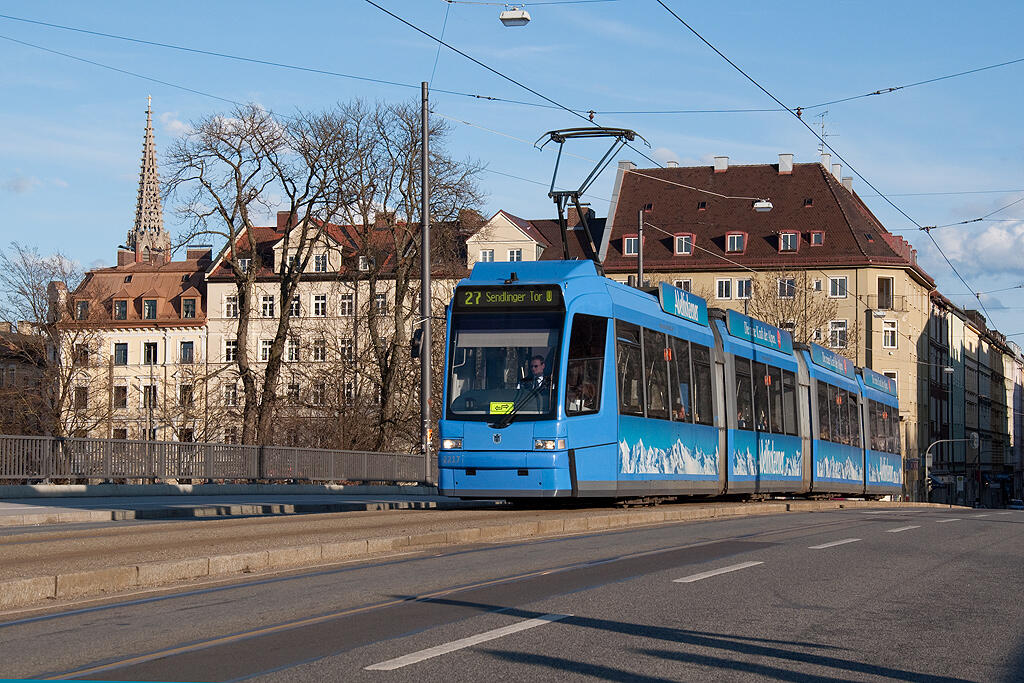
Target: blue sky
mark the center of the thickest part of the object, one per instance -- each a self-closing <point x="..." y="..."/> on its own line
<point x="73" y="130"/>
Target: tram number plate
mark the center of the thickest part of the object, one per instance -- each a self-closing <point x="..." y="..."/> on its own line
<point x="501" y="407"/>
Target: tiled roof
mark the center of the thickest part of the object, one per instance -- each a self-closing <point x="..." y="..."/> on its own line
<point x="166" y="282"/>
<point x="809" y="199"/>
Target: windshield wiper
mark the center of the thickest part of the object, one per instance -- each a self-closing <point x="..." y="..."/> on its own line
<point x="507" y="418"/>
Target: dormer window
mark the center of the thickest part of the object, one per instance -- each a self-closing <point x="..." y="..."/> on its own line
<point x="735" y="242"/>
<point x="127" y="279"/>
<point x="188" y="308"/>
<point x="320" y="263"/>
<point x="630" y="245"/>
<point x="121" y="309"/>
<point x="243" y="264"/>
<point x="817" y="238"/>
<point x="365" y="263"/>
<point x="149" y="309"/>
<point x="81" y="310"/>
<point x="702" y="206"/>
<point x="789" y="241"/>
<point x="809" y="201"/>
<point x="684" y="244"/>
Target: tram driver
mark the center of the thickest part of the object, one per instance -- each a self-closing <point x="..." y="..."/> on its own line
<point x="538" y="377"/>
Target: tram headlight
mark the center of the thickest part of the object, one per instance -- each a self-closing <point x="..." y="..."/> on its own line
<point x="451" y="444"/>
<point x="548" y="444"/>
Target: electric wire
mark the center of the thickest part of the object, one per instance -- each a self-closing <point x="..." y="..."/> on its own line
<point x="437" y="55"/>
<point x="825" y="144"/>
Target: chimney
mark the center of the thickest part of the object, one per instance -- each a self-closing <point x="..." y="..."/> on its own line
<point x="672" y="164"/>
<point x="837" y="171"/>
<point x="785" y="164"/>
<point x="848" y="183"/>
<point x="826" y="160"/>
<point x="203" y="253"/>
<point x="721" y="164"/>
<point x="124" y="257"/>
<point x="282" y="220"/>
<point x="572" y="218"/>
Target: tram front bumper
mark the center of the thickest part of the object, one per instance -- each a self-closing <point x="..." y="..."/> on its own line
<point x="497" y="474"/>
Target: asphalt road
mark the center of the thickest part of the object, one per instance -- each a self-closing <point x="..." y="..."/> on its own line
<point x="911" y="594"/>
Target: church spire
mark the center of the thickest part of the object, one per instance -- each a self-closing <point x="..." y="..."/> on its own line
<point x="148" y="239"/>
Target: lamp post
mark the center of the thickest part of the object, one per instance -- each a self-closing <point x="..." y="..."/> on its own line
<point x="972" y="439"/>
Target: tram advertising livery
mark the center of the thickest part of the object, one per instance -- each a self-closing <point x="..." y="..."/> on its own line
<point x="560" y="382"/>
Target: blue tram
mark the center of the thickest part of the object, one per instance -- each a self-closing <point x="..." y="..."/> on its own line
<point x="562" y="383"/>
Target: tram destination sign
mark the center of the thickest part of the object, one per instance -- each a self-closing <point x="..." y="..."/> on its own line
<point x="831" y="360"/>
<point x="683" y="304"/>
<point x="758" y="332"/>
<point x="509" y="298"/>
<point x="876" y="380"/>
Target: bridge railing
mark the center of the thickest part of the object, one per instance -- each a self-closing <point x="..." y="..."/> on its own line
<point x="45" y="459"/>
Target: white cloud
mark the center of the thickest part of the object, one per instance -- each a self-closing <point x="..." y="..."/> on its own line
<point x="21" y="184"/>
<point x="997" y="250"/>
<point x="172" y="124"/>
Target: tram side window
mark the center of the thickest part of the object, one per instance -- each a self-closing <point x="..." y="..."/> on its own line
<point x="824" y="420"/>
<point x="679" y="379"/>
<point x="585" y="368"/>
<point x="873" y="426"/>
<point x="894" y="418"/>
<point x="761" y="396"/>
<point x="629" y="369"/>
<point x="775" y="399"/>
<point x="700" y="357"/>
<point x="854" y="412"/>
<point x="744" y="398"/>
<point x="656" y="372"/>
<point x="789" y="401"/>
<point x="840" y="418"/>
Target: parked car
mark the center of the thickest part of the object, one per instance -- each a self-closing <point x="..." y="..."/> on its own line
<point x="1015" y="504"/>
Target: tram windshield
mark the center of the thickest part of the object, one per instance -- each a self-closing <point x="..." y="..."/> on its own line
<point x="503" y="367"/>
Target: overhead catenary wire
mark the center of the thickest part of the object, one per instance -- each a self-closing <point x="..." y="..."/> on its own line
<point x="821" y="139"/>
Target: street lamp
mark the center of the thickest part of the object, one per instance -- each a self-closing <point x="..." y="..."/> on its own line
<point x="972" y="439"/>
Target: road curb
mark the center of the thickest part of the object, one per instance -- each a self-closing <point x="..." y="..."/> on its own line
<point x="34" y="590"/>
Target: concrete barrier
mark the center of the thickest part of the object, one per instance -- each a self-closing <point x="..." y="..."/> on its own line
<point x="109" y="580"/>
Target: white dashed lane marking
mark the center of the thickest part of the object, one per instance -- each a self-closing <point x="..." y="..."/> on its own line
<point x="833" y="543"/>
<point x="463" y="643"/>
<point x="902" y="528"/>
<point x="715" y="572"/>
<point x="943" y="521"/>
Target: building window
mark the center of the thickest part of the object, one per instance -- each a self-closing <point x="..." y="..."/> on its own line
<point x="121" y="354"/>
<point x="348" y="305"/>
<point x="346" y="350"/>
<point x="121" y="310"/>
<point x="291" y="261"/>
<point x="808" y="201"/>
<point x="350" y="392"/>
<point x="787" y="287"/>
<point x="702" y="206"/>
<point x="267" y="307"/>
<point x="817" y="238"/>
<point x="293" y="349"/>
<point x="82" y="355"/>
<point x="891" y="374"/>
<point x="515" y="255"/>
<point x="187" y="352"/>
<point x="837" y="287"/>
<point x="188" y="308"/>
<point x="149" y="353"/>
<point x="789" y="326"/>
<point x="120" y="433"/>
<point x="149" y="396"/>
<point x="788" y="241"/>
<point x="364" y="263"/>
<point x="231" y="394"/>
<point x="320" y="350"/>
<point x="243" y="264"/>
<point x="231" y="350"/>
<point x="320" y="263"/>
<point x="320" y="305"/>
<point x="816" y="336"/>
<point x="293" y="390"/>
<point x="316" y="395"/>
<point x="744" y="288"/>
<point x="889" y="334"/>
<point x="231" y="435"/>
<point x="735" y="242"/>
<point x="185" y="396"/>
<point x="684" y="245"/>
<point x="231" y="306"/>
<point x="81" y="398"/>
<point x="630" y="245"/>
<point x="149" y="309"/>
<point x="380" y="304"/>
<point x="265" y="347"/>
<point x="186" y="434"/>
<point x="685" y="285"/>
<point x="723" y="288"/>
<point x="486" y="256"/>
<point x="296" y="309"/>
<point x="885" y="287"/>
<point x="837" y="334"/>
<point x="81" y="310"/>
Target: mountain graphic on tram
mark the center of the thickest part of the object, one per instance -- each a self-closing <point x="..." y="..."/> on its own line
<point x="560" y="382"/>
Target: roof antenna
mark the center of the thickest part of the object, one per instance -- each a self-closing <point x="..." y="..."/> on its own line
<point x="512" y="278"/>
<point x="563" y="197"/>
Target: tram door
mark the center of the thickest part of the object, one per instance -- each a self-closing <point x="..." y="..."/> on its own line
<point x="722" y="423"/>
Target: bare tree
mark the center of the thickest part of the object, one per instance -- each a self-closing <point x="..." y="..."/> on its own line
<point x="58" y="342"/>
<point x="231" y="171"/>
<point x="787" y="300"/>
